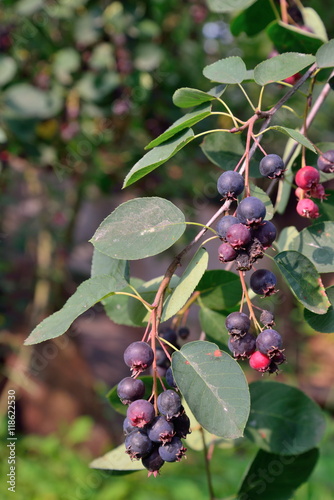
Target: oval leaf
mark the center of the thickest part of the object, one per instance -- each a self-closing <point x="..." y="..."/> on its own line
<point x="295" y="135"/>
<point x="275" y="476"/>
<point x="323" y="323"/>
<point x="219" y="289"/>
<point x="117" y="461"/>
<point x="288" y="38"/>
<point x="102" y="264"/>
<point x="283" y="419"/>
<point x="139" y="228"/>
<point x="86" y="295"/>
<point x="213" y="325"/>
<point x="228" y="5"/>
<point x="25" y="101"/>
<point x="228" y="70"/>
<point x="254" y="19"/>
<point x="214" y="387"/>
<point x="187" y="97"/>
<point x="280" y="67"/>
<point x="304" y="280"/>
<point x="118" y="307"/>
<point x="325" y="55"/>
<point x="157" y="157"/>
<point x="188" y="282"/>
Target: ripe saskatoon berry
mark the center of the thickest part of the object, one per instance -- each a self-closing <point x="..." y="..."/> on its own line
<point x="168" y="334"/>
<point x="238" y="236"/>
<point x="230" y="184"/>
<point x="265" y="233"/>
<point x="138" y="356"/>
<point x="130" y="389"/>
<point x="170" y="379"/>
<point x="226" y="253"/>
<point x="153" y="462"/>
<point x="272" y="166"/>
<point x="128" y="427"/>
<point x="237" y="323"/>
<point x="161" y="358"/>
<point x="140" y="413"/>
<point x="263" y="282"/>
<point x="138" y="444"/>
<point x="307" y="208"/>
<point x="307" y="177"/>
<point x="173" y="451"/>
<point x="242" y="347"/>
<point x="325" y="162"/>
<point x="278" y="358"/>
<point x="160" y="430"/>
<point x="169" y="404"/>
<point x="224" y="223"/>
<point x="251" y="211"/>
<point x="269" y="342"/>
<point x="267" y="318"/>
<point x="259" y="361"/>
<point x="183" y="332"/>
<point x="182" y="425"/>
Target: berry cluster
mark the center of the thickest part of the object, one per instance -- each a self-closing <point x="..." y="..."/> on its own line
<point x="153" y="433"/>
<point x="264" y="351"/>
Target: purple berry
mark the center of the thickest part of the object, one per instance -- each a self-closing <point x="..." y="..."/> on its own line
<point x="238" y="236"/>
<point x="170" y="379"/>
<point x="269" y="342"/>
<point x="226" y="253"/>
<point x="183" y="332"/>
<point x="224" y="223"/>
<point x="161" y="358"/>
<point x="128" y="427"/>
<point x="153" y="462"/>
<point x="182" y="425"/>
<point x="160" y="430"/>
<point x="129" y="389"/>
<point x="237" y="323"/>
<point x="242" y="347"/>
<point x="263" y="282"/>
<point x="272" y="166"/>
<point x="265" y="233"/>
<point x="140" y="413"/>
<point x="169" y="404"/>
<point x="251" y="211"/>
<point x="138" y="444"/>
<point x="138" y="356"/>
<point x="267" y="318"/>
<point x="230" y="184"/>
<point x="168" y="334"/>
<point x="326" y="162"/>
<point x="173" y="451"/>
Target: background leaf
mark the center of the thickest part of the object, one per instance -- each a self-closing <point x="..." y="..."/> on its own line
<point x="228" y="5"/>
<point x="7" y="69"/>
<point x="288" y="38"/>
<point x="323" y="323"/>
<point x="280" y="67"/>
<point x="25" y="101"/>
<point x="214" y="387"/>
<point x="253" y="19"/>
<point x="228" y="70"/>
<point x="283" y="419"/>
<point x="295" y="135"/>
<point x="213" y="325"/>
<point x="219" y="289"/>
<point x="139" y="228"/>
<point x="117" y="461"/>
<point x="304" y="280"/>
<point x="325" y="55"/>
<point x="103" y="264"/>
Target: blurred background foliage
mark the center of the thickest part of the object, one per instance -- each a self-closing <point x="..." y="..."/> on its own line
<point x="84" y="86"/>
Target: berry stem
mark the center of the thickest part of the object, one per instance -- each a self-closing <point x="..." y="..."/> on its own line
<point x="207" y="465"/>
<point x="249" y="303"/>
<point x="247" y="96"/>
<point x="153" y="335"/>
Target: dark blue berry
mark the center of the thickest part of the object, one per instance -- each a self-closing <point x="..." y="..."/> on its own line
<point x="140" y="413"/>
<point x="170" y="379"/>
<point x="238" y="236"/>
<point x="263" y="282"/>
<point x="169" y="404"/>
<point x="168" y="334"/>
<point x="265" y="233"/>
<point x="226" y="253"/>
<point x="251" y="211"/>
<point x="128" y="427"/>
<point x="153" y="462"/>
<point x="161" y="358"/>
<point x="138" y="444"/>
<point x="138" y="356"/>
<point x="173" y="451"/>
<point x="230" y="184"/>
<point x="237" y="323"/>
<point x="269" y="342"/>
<point x="272" y="166"/>
<point x="182" y="425"/>
<point x="130" y="389"/>
<point x="242" y="347"/>
<point x="267" y="318"/>
<point x="183" y="332"/>
<point x="160" y="430"/>
<point x="325" y="162"/>
<point x="224" y="223"/>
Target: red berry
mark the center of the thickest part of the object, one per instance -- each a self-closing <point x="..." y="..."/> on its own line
<point x="292" y="79"/>
<point x="318" y="191"/>
<point x="259" y="361"/>
<point x="307" y="177"/>
<point x="307" y="208"/>
<point x="300" y="193"/>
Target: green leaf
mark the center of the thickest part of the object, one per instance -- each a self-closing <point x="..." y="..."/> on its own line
<point x="117" y="461"/>
<point x="139" y="228"/>
<point x="28" y="7"/>
<point x="102" y="264"/>
<point x="214" y="387"/>
<point x="323" y="323"/>
<point x="275" y="476"/>
<point x="304" y="280"/>
<point x="287" y="235"/>
<point x="219" y="289"/>
<point x="186" y="121"/>
<point x="188" y="282"/>
<point x="313" y="21"/>
<point x="317" y="244"/>
<point x="287" y="38"/>
<point x="158" y="156"/>
<point x="295" y="135"/>
<point x="86" y="295"/>
<point x="25" y="101"/>
<point x="280" y="67"/>
<point x="325" y="55"/>
<point x="283" y="419"/>
<point x="119" y="307"/>
<point x="225" y="150"/>
<point x="253" y="19"/>
<point x="228" y="5"/>
<point x="262" y="195"/>
<point x="187" y="97"/>
<point x="228" y="70"/>
<point x="7" y="69"/>
<point x="66" y="62"/>
<point x="213" y="325"/>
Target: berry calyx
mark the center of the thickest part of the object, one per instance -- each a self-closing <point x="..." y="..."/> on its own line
<point x="265" y="233"/>
<point x="173" y="451"/>
<point x="263" y="282"/>
<point x="160" y="430"/>
<point x="307" y="208"/>
<point x="259" y="361"/>
<point x="138" y="356"/>
<point x="269" y="342"/>
<point x="153" y="463"/>
<point x="272" y="166"/>
<point x="140" y="413"/>
<point x="230" y="184"/>
<point x="251" y="211"/>
<point x="307" y="177"/>
<point x="319" y="192"/>
<point x="242" y="347"/>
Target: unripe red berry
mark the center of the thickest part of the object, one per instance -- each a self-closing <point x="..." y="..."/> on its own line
<point x="259" y="361"/>
<point x="300" y="193"/>
<point x="292" y="79"/>
<point x="307" y="208"/>
<point x="318" y="191"/>
<point x="307" y="177"/>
